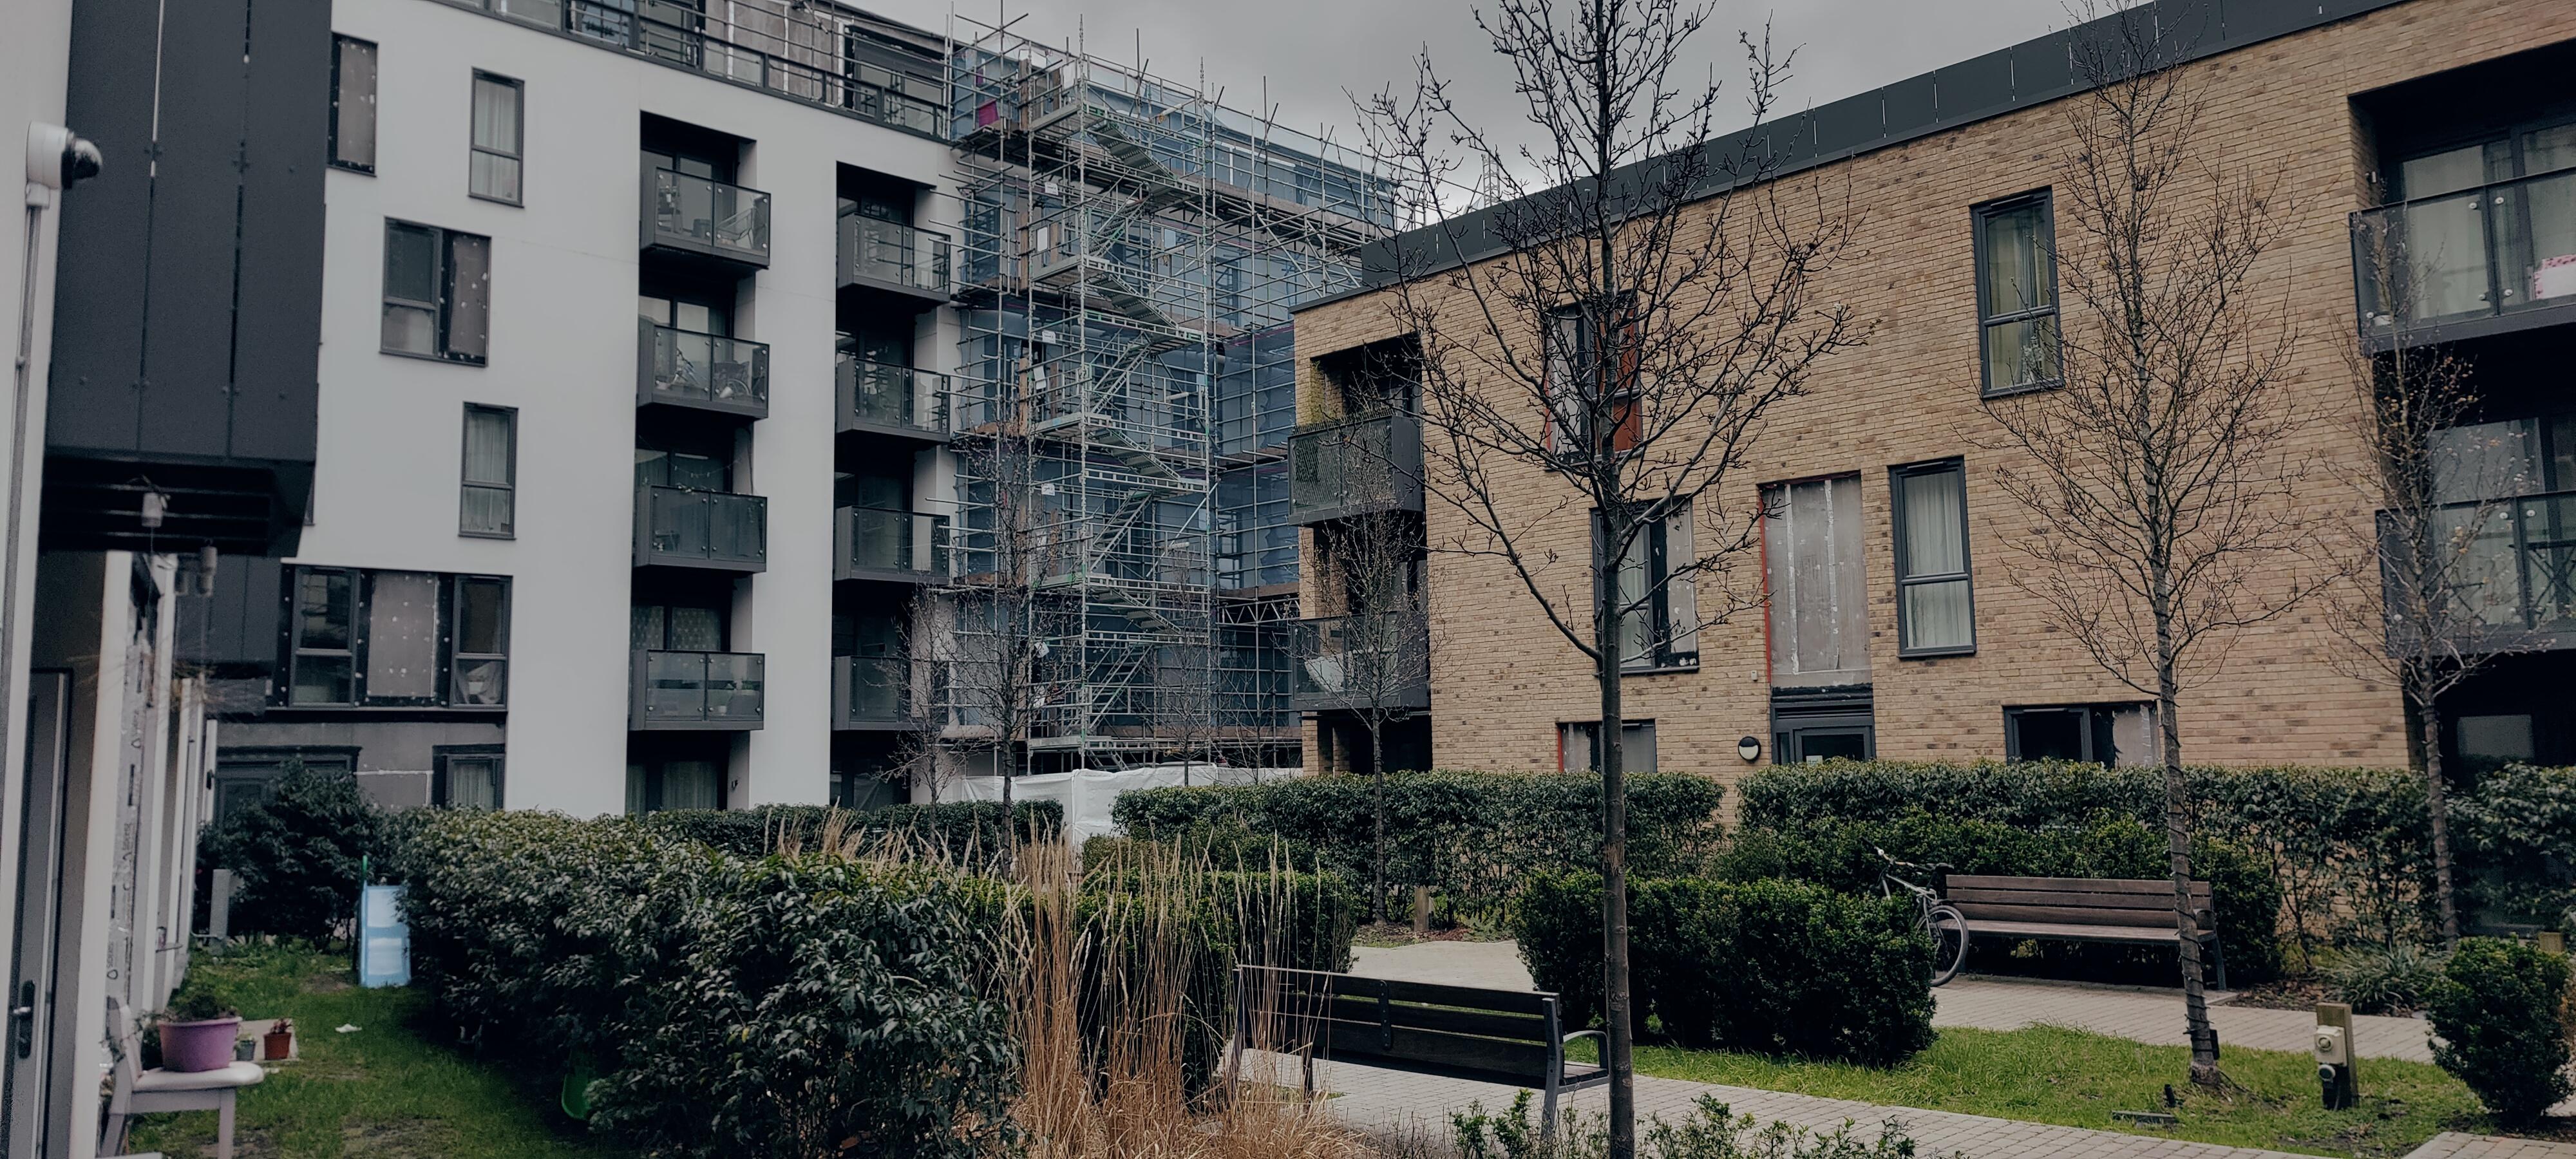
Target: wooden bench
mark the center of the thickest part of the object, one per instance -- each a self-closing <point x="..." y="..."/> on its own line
<point x="1516" y="1037"/>
<point x="2082" y="909"/>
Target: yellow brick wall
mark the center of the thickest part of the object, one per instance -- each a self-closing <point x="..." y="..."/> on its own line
<point x="1504" y="677"/>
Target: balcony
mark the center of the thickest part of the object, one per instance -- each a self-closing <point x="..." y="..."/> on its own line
<point x="2517" y="576"/>
<point x="1354" y="663"/>
<point x="707" y="372"/>
<point x="2481" y="261"/>
<point x="889" y="255"/>
<point x="705" y="220"/>
<point x="873" y="693"/>
<point x="695" y="690"/>
<point x="905" y="547"/>
<point x="878" y="398"/>
<point x="685" y="527"/>
<point x="1355" y="467"/>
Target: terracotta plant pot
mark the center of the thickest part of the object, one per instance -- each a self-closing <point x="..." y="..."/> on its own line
<point x="199" y="1046"/>
<point x="278" y="1043"/>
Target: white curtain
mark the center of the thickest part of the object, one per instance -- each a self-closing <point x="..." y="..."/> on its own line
<point x="1936" y="613"/>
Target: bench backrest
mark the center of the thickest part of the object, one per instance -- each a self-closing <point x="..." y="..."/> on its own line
<point x="1511" y="1034"/>
<point x="2073" y="901"/>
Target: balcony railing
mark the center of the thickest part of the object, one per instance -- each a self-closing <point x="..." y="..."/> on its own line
<point x="705" y="217"/>
<point x="683" y="527"/>
<point x="1354" y="467"/>
<point x="2462" y="257"/>
<point x="2517" y="575"/>
<point x="900" y="400"/>
<point x="701" y="371"/>
<point x="768" y="53"/>
<point x="903" y="546"/>
<point x="698" y="690"/>
<point x="873" y="691"/>
<point x="892" y="255"/>
<point x="1356" y="663"/>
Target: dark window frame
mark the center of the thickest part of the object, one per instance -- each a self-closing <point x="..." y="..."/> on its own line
<point x="292" y="634"/>
<point x="1896" y="479"/>
<point x="1978" y="216"/>
<point x="1656" y="539"/>
<point x="458" y="657"/>
<point x="467" y="485"/>
<point x="443" y="309"/>
<point x="2086" y="712"/>
<point x="518" y="133"/>
<point x="440" y="788"/>
<point x="1568" y="730"/>
<point x="361" y="609"/>
<point x="375" y="56"/>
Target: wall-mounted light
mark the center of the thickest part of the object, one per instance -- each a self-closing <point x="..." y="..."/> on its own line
<point x="1750" y="748"/>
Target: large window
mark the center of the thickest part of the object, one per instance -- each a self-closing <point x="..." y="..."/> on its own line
<point x="1935" y="613"/>
<point x="1578" y="746"/>
<point x="1811" y="537"/>
<point x="396" y="639"/>
<point x="1659" y="610"/>
<point x="1575" y="376"/>
<point x="2105" y="734"/>
<point x="2016" y="253"/>
<point x="438" y="292"/>
<point x="492" y="171"/>
<point x="674" y="783"/>
<point x="490" y="474"/>
<point x="353" y="104"/>
<point x="466" y="777"/>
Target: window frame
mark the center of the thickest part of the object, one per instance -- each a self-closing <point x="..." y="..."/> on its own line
<point x="518" y="133"/>
<point x="440" y="758"/>
<point x="1663" y="657"/>
<point x="1979" y="215"/>
<point x="293" y="633"/>
<point x="442" y="309"/>
<point x="361" y="609"/>
<point x="331" y="145"/>
<point x="1568" y="730"/>
<point x="467" y="485"/>
<point x="2085" y="711"/>
<point x="457" y="657"/>
<point x="1896" y="479"/>
<point x="1627" y="420"/>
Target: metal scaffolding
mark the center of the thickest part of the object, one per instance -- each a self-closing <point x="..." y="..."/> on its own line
<point x="1131" y="252"/>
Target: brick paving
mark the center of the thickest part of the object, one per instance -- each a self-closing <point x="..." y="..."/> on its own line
<point x="2454" y="1145"/>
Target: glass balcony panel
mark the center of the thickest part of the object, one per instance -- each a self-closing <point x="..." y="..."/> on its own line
<point x="2539" y="220"/>
<point x="1365" y="464"/>
<point x="708" y="216"/>
<point x="892" y="253"/>
<point x="1349" y="661"/>
<point x="734" y="685"/>
<point x="684" y="366"/>
<point x="2549" y="560"/>
<point x="884" y="395"/>
<point x="675" y="685"/>
<point x="685" y="525"/>
<point x="880" y="689"/>
<point x="880" y="540"/>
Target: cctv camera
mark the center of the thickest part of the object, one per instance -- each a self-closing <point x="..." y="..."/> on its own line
<point x="56" y="159"/>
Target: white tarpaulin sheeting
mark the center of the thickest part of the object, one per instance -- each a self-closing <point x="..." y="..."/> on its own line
<point x="1087" y="794"/>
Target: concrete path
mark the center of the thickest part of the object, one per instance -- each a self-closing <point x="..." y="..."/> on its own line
<point x="2454" y="1145"/>
<point x="1978" y="1002"/>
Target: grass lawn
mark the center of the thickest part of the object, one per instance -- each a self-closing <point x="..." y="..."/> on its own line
<point x="2073" y="1078"/>
<point x="381" y="1090"/>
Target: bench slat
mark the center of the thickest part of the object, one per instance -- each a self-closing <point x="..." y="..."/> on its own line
<point x="1526" y="1002"/>
<point x="2067" y="915"/>
<point x="2075" y="884"/>
<point x="1514" y="1027"/>
<point x="1356" y="1041"/>
<point x="2075" y="933"/>
<point x="2131" y="902"/>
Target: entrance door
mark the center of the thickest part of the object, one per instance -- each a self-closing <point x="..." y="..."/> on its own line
<point x="32" y="1016"/>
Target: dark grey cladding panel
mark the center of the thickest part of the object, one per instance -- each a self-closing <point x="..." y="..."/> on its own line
<point x="288" y="123"/>
<point x="1975" y="88"/>
<point x="1911" y="106"/>
<point x="98" y="315"/>
<point x="2043" y="69"/>
<point x="235" y="629"/>
<point x="1856" y="122"/>
<point x="183" y="407"/>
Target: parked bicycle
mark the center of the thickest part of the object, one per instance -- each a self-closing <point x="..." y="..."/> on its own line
<point x="1948" y="927"/>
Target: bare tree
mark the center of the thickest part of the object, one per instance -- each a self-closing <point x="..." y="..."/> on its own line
<point x="1378" y="649"/>
<point x="2153" y="460"/>
<point x="2432" y="599"/>
<point x="1001" y="624"/>
<point x="1601" y="341"/>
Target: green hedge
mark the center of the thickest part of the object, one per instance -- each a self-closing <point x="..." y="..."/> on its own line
<point x="2502" y="1019"/>
<point x="969" y="831"/>
<point x="1771" y="966"/>
<point x="1474" y="837"/>
<point x="1843" y="855"/>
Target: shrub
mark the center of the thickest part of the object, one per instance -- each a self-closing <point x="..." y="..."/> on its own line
<point x="1770" y="966"/>
<point x="1472" y="836"/>
<point x="2395" y="979"/>
<point x="295" y="857"/>
<point x="1713" y="1131"/>
<point x="2516" y="832"/>
<point x="2502" y="1017"/>
<point x="967" y="831"/>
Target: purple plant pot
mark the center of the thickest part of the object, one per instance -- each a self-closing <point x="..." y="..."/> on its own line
<point x="199" y="1046"/>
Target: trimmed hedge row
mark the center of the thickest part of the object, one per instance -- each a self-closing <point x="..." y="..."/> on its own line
<point x="1475" y="837"/>
<point x="1777" y="967"/>
<point x="969" y="831"/>
<point x="2349" y="849"/>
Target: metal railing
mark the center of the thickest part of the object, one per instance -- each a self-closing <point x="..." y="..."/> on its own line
<point x="883" y="396"/>
<point x="890" y="253"/>
<point x="2477" y="253"/>
<point x="701" y="215"/>
<point x="696" y="690"/>
<point x="1355" y="466"/>
<point x="2518" y="572"/>
<point x="873" y="689"/>
<point x="790" y="55"/>
<point x="873" y="542"/>
<point x="706" y="371"/>
<point x="685" y="527"/>
<point x="1357" y="662"/>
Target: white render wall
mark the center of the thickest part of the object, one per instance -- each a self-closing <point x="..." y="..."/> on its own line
<point x="562" y="351"/>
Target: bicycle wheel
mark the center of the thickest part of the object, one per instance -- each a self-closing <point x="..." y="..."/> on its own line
<point x="1949" y="942"/>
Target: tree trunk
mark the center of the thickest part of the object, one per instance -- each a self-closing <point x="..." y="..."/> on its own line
<point x="1377" y="822"/>
<point x="2195" y="1004"/>
<point x="1010" y="833"/>
<point x="1617" y="1049"/>
<point x="2437" y="802"/>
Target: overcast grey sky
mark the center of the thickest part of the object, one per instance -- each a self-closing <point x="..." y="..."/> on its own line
<point x="1312" y="51"/>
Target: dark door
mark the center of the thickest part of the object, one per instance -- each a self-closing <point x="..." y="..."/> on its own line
<point x="33" y="1027"/>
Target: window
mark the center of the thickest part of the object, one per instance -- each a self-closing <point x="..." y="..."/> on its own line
<point x="1571" y="357"/>
<point x="437" y="292"/>
<point x="358" y="638"/>
<point x="353" y="104"/>
<point x="490" y="473"/>
<point x="1578" y="748"/>
<point x="652" y="786"/>
<point x="1659" y="617"/>
<point x="1818" y="607"/>
<point x="466" y="777"/>
<point x="2105" y="734"/>
<point x="493" y="168"/>
<point x="2016" y="253"/>
<point x="1935" y="613"/>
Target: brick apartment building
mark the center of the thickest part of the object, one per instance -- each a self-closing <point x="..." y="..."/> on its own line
<point x="2443" y="111"/>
